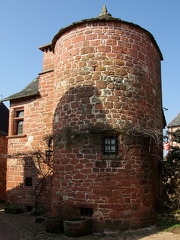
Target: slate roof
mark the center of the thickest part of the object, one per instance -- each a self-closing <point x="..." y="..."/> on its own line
<point x="4" y="119"/>
<point x="175" y="122"/>
<point x="31" y="90"/>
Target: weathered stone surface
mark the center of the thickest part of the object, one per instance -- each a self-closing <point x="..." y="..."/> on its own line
<point x="106" y="75"/>
<point x="121" y="86"/>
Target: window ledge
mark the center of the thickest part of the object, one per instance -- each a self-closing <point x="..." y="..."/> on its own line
<point x="16" y="136"/>
<point x="111" y="157"/>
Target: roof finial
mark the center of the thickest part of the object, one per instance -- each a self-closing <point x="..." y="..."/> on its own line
<point x="104" y="10"/>
<point x="104" y="13"/>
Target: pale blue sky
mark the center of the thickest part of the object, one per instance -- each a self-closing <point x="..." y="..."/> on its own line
<point x="27" y="24"/>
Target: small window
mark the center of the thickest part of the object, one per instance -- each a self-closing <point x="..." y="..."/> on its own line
<point x="88" y="212"/>
<point x="18" y="122"/>
<point x="20" y="114"/>
<point x="19" y="127"/>
<point x="110" y="145"/>
<point x="28" y="181"/>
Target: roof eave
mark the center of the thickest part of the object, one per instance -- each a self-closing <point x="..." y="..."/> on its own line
<point x="42" y="48"/>
<point x="19" y="97"/>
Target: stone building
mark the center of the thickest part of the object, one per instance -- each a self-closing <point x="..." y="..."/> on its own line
<point x="172" y="127"/>
<point x="4" y="115"/>
<point x="99" y="96"/>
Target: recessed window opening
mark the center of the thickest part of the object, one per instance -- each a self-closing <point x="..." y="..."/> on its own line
<point x="20" y="113"/>
<point x="19" y="129"/>
<point x="18" y="122"/>
<point x="88" y="212"/>
<point x="111" y="144"/>
<point x="28" y="181"/>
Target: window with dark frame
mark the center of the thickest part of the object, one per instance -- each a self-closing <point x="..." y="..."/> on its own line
<point x="19" y="121"/>
<point x="88" y="212"/>
<point x="28" y="181"/>
<point x="110" y="145"/>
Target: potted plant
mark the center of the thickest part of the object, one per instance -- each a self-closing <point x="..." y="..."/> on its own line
<point x="74" y="224"/>
<point x="9" y="208"/>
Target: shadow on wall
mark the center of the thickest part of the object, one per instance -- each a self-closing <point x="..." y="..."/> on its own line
<point x="85" y="175"/>
<point x="80" y="123"/>
<point x="83" y="108"/>
<point x="3" y="169"/>
<point x="34" y="191"/>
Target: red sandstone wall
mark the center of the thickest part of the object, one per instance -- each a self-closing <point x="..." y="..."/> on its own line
<point x="48" y="58"/>
<point x="37" y="124"/>
<point x="3" y="159"/>
<point x="121" y="62"/>
<point x="106" y="75"/>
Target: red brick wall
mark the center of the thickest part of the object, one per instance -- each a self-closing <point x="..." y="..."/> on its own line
<point x="37" y="124"/>
<point x="3" y="160"/>
<point x="107" y="75"/>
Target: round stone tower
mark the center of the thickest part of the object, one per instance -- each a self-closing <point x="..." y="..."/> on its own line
<point x="107" y="121"/>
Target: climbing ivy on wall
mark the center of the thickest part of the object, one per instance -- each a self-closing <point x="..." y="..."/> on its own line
<point x="130" y="134"/>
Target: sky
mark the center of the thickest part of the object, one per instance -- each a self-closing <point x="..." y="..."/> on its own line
<point x="25" y="25"/>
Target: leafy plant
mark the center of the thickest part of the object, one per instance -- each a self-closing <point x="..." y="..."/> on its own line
<point x="11" y="206"/>
<point x="166" y="226"/>
<point x="171" y="178"/>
